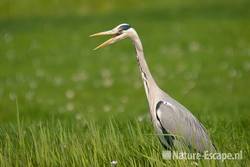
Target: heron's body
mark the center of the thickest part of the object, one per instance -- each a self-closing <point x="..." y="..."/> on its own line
<point x="176" y="127"/>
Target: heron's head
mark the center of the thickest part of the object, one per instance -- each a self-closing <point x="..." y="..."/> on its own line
<point x="118" y="33"/>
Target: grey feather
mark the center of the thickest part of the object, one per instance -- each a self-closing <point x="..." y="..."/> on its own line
<point x="180" y="123"/>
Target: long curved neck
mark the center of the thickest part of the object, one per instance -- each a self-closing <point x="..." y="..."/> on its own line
<point x="148" y="80"/>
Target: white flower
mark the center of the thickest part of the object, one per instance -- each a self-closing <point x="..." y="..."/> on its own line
<point x="113" y="163"/>
<point x="70" y="94"/>
<point x="106" y="108"/>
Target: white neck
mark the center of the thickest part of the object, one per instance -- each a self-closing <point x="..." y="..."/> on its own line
<point x="148" y="80"/>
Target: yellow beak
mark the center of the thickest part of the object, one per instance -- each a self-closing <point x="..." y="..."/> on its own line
<point x="116" y="37"/>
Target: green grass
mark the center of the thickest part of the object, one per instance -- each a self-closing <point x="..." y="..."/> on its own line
<point x="84" y="143"/>
<point x="78" y="107"/>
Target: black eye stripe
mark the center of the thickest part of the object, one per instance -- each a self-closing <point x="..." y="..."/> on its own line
<point x="124" y="27"/>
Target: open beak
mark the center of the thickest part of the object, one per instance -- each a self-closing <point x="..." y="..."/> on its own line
<point x="115" y="37"/>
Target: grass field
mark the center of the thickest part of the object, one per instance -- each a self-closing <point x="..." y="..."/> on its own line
<point x="63" y="104"/>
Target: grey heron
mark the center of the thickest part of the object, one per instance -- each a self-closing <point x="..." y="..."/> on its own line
<point x="175" y="125"/>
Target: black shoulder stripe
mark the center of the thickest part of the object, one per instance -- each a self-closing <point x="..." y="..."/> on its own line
<point x="158" y="105"/>
<point x="167" y="136"/>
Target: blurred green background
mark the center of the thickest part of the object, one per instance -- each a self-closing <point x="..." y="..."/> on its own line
<point x="198" y="52"/>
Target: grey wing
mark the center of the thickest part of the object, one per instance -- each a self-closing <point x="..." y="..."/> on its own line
<point x="179" y="122"/>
